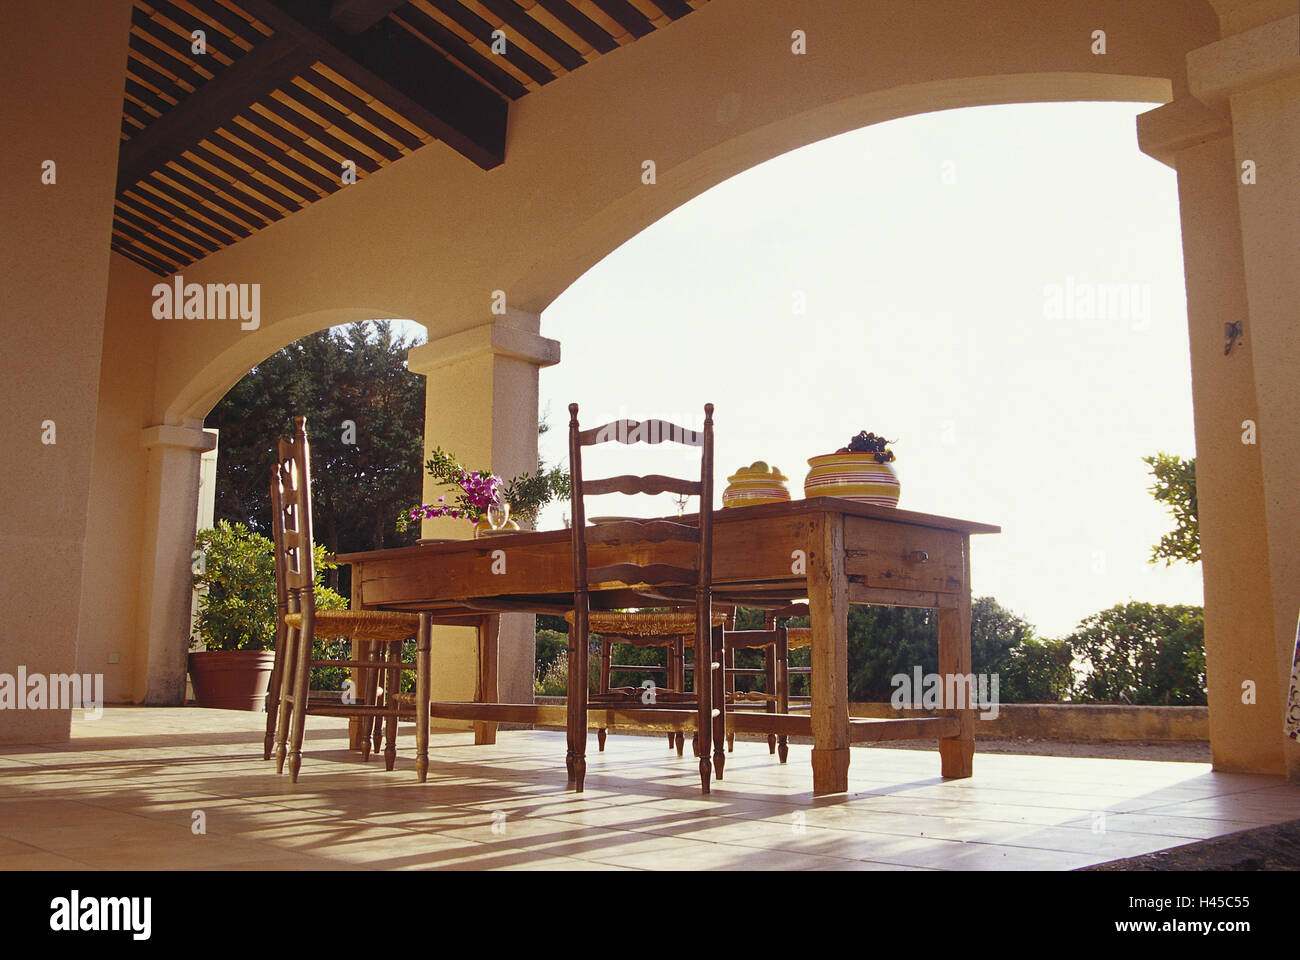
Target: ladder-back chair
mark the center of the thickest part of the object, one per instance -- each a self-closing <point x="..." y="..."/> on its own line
<point x="692" y="577"/>
<point x="300" y="622"/>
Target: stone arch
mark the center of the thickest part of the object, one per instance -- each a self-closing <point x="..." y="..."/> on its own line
<point x="215" y="378"/>
<point x="636" y="209"/>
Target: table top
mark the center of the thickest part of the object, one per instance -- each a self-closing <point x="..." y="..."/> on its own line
<point x="726" y="515"/>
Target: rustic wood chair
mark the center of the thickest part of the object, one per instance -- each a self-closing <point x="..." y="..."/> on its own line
<point x="775" y="641"/>
<point x="695" y="573"/>
<point x="290" y="702"/>
<point x="666" y="629"/>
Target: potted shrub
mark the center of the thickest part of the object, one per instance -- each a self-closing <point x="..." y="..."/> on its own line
<point x="862" y="471"/>
<point x="232" y="648"/>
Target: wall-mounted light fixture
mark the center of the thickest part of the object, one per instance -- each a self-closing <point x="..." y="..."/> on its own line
<point x="1231" y="334"/>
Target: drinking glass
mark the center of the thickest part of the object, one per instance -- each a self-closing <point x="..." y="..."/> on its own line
<point x="498" y="513"/>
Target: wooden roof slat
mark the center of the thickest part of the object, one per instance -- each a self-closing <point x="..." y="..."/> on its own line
<point x="350" y="101"/>
<point x="165" y="221"/>
<point x="147" y="246"/>
<point x="235" y="189"/>
<point x="156" y="59"/>
<point x="162" y="48"/>
<point x="135" y="67"/>
<point x="149" y="263"/>
<point x="314" y="131"/>
<point x="137" y="113"/>
<point x="220" y="208"/>
<point x="451" y="44"/>
<point x="481" y="30"/>
<point x="516" y="18"/>
<point x="228" y="19"/>
<point x="216" y="147"/>
<point x="213" y="38"/>
<point x="183" y="217"/>
<point x="192" y="211"/>
<point x="628" y="16"/>
<point x="301" y="191"/>
<point x="147" y="97"/>
<point x="330" y="169"/>
<point x="582" y="25"/>
<point x="337" y="118"/>
<point x="254" y="138"/>
<point x="140" y="229"/>
<point x="245" y="178"/>
<point x="395" y="68"/>
<point x="674" y="8"/>
<point x="265" y="67"/>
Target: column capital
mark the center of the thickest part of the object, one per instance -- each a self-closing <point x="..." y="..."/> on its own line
<point x="1173" y="127"/>
<point x="508" y="337"/>
<point x="1248" y="59"/>
<point x="171" y="435"/>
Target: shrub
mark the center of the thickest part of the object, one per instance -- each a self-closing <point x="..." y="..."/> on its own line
<point x="1142" y="654"/>
<point x="1036" y="671"/>
<point x="235" y="576"/>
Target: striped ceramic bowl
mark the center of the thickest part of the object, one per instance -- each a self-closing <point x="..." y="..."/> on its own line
<point x="852" y="476"/>
<point x="757" y="483"/>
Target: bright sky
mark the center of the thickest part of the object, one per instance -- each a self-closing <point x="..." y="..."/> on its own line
<point x="998" y="289"/>
<point x="925" y="252"/>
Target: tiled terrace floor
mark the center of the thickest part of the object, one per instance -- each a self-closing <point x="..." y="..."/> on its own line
<point x="122" y="794"/>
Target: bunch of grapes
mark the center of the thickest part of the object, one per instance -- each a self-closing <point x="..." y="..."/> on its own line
<point x="870" y="443"/>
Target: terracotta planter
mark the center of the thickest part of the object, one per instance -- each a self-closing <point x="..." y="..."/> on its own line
<point x="852" y="476"/>
<point x="231" y="679"/>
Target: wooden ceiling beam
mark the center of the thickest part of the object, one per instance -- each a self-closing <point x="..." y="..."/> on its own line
<point x="267" y="66"/>
<point x="397" y="69"/>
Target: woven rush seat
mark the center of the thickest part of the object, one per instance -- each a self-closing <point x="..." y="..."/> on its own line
<point x="659" y="623"/>
<point x="374" y="625"/>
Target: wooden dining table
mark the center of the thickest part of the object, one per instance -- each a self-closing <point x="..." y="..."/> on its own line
<point x="834" y="552"/>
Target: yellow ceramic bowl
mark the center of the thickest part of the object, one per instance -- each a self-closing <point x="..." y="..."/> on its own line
<point x="756" y="483"/>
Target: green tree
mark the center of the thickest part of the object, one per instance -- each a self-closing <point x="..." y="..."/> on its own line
<point x="352" y="386"/>
<point x="1037" y="671"/>
<point x="1141" y="653"/>
<point x="1175" y="487"/>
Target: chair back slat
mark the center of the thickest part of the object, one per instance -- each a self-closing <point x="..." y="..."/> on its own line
<point x="654" y="484"/>
<point x="291" y="512"/>
<point x="652" y="531"/>
<point x="632" y="573"/>
<point x="753" y="639"/>
<point x="647" y="431"/>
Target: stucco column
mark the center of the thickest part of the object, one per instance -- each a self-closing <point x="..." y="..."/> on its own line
<point x="62" y="89"/>
<point x="166" y="581"/>
<point x="1240" y="244"/>
<point x="480" y="403"/>
<point x="1255" y="74"/>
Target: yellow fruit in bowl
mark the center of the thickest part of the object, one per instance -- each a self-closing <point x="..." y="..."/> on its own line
<point x="758" y="466"/>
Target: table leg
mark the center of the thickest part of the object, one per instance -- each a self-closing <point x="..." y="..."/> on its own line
<point x="359" y="727"/>
<point x="489" y="630"/>
<point x="956" y="754"/>
<point x="423" y="687"/>
<point x="828" y="607"/>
